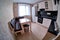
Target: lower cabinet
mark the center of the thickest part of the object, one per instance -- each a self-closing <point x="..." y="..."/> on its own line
<point x="40" y="20"/>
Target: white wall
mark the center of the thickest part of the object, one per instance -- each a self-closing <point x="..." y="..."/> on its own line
<point x="58" y="18"/>
<point x="6" y="14"/>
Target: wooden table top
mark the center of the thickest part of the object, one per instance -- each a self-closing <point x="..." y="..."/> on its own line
<point x="24" y="20"/>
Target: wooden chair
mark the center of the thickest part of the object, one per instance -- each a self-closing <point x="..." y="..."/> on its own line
<point x="13" y="29"/>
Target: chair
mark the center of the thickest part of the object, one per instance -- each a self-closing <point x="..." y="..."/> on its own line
<point x="15" y="26"/>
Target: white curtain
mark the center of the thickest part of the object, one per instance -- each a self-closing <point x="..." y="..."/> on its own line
<point x="23" y="9"/>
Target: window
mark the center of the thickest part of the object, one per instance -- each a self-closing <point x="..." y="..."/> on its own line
<point x="23" y="10"/>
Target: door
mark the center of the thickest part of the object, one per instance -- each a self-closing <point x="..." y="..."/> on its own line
<point x="33" y="14"/>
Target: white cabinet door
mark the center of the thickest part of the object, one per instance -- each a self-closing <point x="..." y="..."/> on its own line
<point x="41" y="5"/>
<point x="51" y="6"/>
<point x="55" y="6"/>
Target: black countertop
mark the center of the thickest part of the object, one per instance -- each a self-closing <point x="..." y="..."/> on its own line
<point x="49" y="17"/>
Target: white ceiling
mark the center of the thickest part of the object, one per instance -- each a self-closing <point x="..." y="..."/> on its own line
<point x="28" y="1"/>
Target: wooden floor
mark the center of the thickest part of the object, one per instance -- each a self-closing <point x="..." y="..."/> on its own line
<point x="49" y="36"/>
<point x="38" y="33"/>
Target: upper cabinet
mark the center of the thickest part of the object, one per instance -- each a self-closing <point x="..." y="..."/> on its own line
<point x="55" y="6"/>
<point x="51" y="5"/>
<point x="41" y="5"/>
<point x="48" y="5"/>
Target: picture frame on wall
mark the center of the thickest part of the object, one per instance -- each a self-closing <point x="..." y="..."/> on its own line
<point x="46" y="5"/>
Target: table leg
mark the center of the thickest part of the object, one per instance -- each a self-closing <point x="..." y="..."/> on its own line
<point x="22" y="29"/>
<point x="30" y="26"/>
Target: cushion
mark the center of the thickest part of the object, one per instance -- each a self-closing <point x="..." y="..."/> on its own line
<point x="15" y="24"/>
<point x="26" y="25"/>
<point x="12" y="23"/>
<point x="18" y="26"/>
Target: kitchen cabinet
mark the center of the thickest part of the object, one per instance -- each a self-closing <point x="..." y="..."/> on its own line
<point x="41" y="5"/>
<point x="51" y="5"/>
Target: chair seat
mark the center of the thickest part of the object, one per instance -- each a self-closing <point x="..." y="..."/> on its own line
<point x="26" y="25"/>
